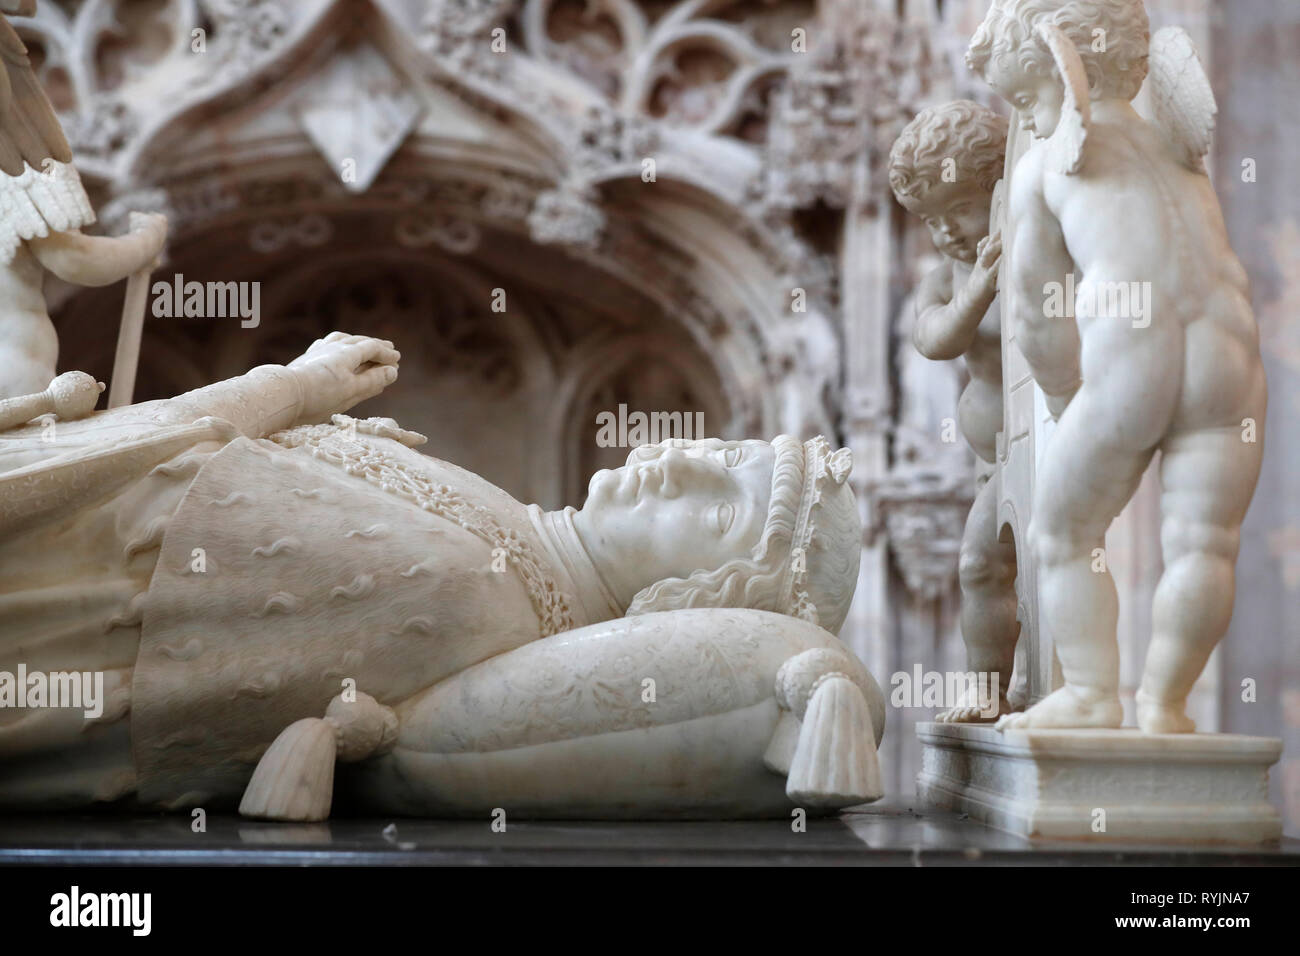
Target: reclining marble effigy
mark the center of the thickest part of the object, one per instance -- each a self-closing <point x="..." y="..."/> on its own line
<point x="270" y="588"/>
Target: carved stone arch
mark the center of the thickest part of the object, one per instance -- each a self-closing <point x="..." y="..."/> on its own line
<point x="520" y="121"/>
<point x="443" y="276"/>
<point x="739" y="282"/>
<point x="628" y="19"/>
<point x="752" y="68"/>
<point x="607" y="361"/>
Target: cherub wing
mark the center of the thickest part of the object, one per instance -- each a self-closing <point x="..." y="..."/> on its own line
<point x="1071" y="135"/>
<point x="29" y="130"/>
<point x="1182" y="101"/>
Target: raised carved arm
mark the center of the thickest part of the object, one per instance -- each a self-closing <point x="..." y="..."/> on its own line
<point x="101" y="260"/>
<point x="947" y="320"/>
<point x="334" y="374"/>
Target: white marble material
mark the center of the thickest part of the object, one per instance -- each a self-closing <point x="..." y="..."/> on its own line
<point x="363" y="603"/>
<point x="944" y="168"/>
<point x="1127" y="330"/>
<point x="1103" y="785"/>
<point x="561" y="727"/>
<point x="1141" y="338"/>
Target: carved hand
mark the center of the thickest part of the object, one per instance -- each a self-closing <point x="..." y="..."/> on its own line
<point x="984" y="275"/>
<point x="340" y="370"/>
<point x="151" y="227"/>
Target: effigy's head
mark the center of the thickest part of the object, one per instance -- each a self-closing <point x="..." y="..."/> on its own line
<point x="943" y="168"/>
<point x="711" y="523"/>
<point x="1112" y="37"/>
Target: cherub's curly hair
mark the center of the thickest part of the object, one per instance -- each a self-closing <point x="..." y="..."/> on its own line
<point x="970" y="134"/>
<point x="1008" y="36"/>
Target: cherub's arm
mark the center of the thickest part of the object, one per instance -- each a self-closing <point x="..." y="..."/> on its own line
<point x="946" y="321"/>
<point x="101" y="260"/>
<point x="1050" y="344"/>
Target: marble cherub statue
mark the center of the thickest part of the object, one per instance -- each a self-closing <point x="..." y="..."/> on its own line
<point x="43" y="207"/>
<point x="943" y="169"/>
<point x="269" y="587"/>
<point x="1158" y="349"/>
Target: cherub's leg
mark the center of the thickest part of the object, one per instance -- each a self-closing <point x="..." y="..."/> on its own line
<point x="987" y="571"/>
<point x="1207" y="477"/>
<point x="1087" y="476"/>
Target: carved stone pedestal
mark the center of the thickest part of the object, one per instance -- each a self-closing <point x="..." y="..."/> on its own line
<point x="1069" y="784"/>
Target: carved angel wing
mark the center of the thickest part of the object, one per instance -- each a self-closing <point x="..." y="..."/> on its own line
<point x="29" y="130"/>
<point x="1182" y="101"/>
<point x="1071" y="134"/>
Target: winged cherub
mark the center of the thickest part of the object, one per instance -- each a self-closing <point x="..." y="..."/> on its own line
<point x="43" y="207"/>
<point x="1125" y="205"/>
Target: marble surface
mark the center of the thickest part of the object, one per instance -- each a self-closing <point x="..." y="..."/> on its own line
<point x="666" y="652"/>
<point x="896" y="832"/>
<point x="1109" y="786"/>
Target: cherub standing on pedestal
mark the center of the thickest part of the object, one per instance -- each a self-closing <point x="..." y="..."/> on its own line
<point x="42" y="209"/>
<point x="943" y="170"/>
<point x="1164" y="354"/>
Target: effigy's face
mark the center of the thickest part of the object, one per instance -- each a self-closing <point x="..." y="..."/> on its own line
<point x="1037" y="100"/>
<point x="681" y="506"/>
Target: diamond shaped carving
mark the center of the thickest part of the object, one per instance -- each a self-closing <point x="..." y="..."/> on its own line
<point x="357" y="112"/>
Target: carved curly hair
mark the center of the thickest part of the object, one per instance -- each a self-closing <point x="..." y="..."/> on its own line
<point x="1008" y="36"/>
<point x="754" y="581"/>
<point x="970" y="134"/>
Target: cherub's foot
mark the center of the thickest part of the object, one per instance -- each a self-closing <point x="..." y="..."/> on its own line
<point x="1155" y="717"/>
<point x="966" y="713"/>
<point x="1068" y="708"/>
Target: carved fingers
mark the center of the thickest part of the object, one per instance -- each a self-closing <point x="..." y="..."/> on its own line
<point x="151" y="228"/>
<point x="989" y="251"/>
<point x="984" y="275"/>
<point x="341" y="370"/>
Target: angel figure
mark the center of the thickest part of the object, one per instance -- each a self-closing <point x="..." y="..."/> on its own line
<point x="1157" y="349"/>
<point x="943" y="169"/>
<point x="43" y="207"/>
